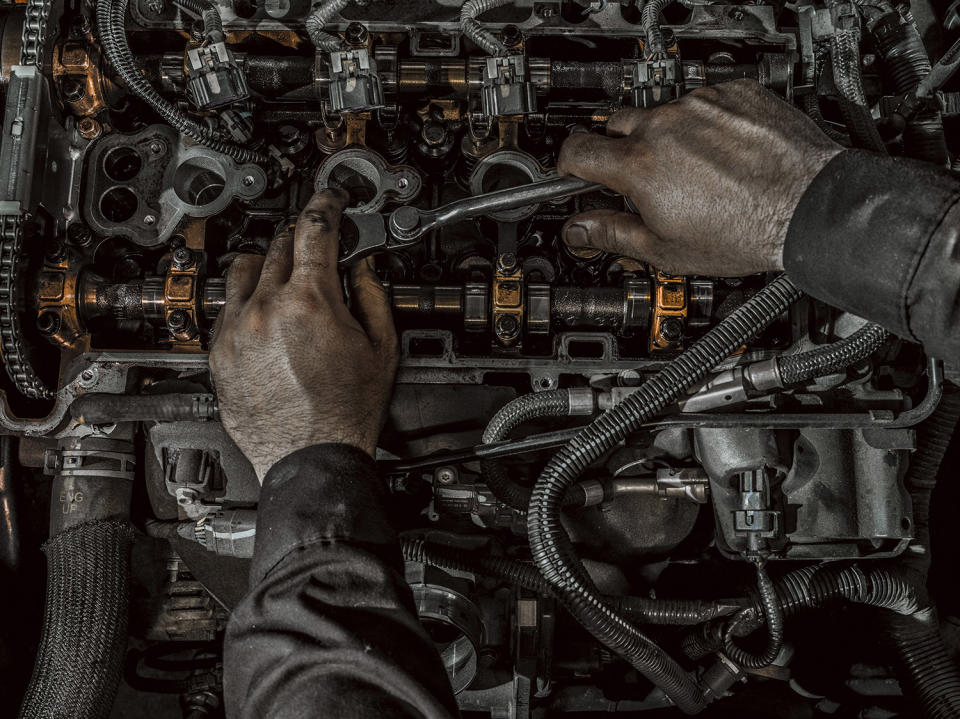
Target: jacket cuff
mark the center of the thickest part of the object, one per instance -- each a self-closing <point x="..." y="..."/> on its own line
<point x="323" y="493"/>
<point x="860" y="232"/>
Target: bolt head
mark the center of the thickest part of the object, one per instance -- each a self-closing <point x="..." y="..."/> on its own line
<point x="671" y="329"/>
<point x="446" y="475"/>
<point x="48" y="323"/>
<point x="89" y="376"/>
<point x="248" y="181"/>
<point x="89" y="128"/>
<point x="149" y="219"/>
<point x="507" y="262"/>
<point x="178" y="320"/>
<point x="508" y="327"/>
<point x="182" y="258"/>
<point x="356" y="34"/>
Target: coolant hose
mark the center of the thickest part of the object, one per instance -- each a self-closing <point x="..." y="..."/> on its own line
<point x="832" y="358"/>
<point x="553" y="403"/>
<point x="900" y="45"/>
<point x="80" y="658"/>
<point x="471" y="27"/>
<point x="551" y="547"/>
<point x="111" y="16"/>
<point x="101" y="408"/>
<point x="316" y="23"/>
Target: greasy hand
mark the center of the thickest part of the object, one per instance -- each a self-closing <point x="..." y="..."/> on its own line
<point x="292" y="366"/>
<point x="716" y="177"/>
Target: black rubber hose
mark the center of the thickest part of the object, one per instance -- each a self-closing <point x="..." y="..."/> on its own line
<point x="845" y="58"/>
<point x="900" y="45"/>
<point x="111" y="16"/>
<point x="551" y="547"/>
<point x="832" y="358"/>
<point x="773" y="617"/>
<point x="100" y="408"/>
<point x="811" y="106"/>
<point x="554" y="403"/>
<point x="80" y="658"/>
<point x="640" y="609"/>
<point x="861" y="126"/>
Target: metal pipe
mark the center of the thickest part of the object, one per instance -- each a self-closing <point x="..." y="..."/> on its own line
<point x="9" y="525"/>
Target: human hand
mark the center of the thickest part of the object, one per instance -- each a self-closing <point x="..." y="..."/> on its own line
<point x="716" y="177"/>
<point x="292" y="366"/>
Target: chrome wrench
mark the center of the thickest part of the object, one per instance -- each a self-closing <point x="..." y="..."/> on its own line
<point x="408" y="224"/>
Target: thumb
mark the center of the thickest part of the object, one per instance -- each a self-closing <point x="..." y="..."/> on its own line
<point x="372" y="306"/>
<point x="622" y="233"/>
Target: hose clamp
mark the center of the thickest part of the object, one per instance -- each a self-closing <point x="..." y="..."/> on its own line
<point x="71" y="463"/>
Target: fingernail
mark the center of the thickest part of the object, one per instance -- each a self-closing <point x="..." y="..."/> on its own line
<point x="576" y="236"/>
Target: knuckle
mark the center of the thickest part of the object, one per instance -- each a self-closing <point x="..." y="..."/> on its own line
<point x="319" y="218"/>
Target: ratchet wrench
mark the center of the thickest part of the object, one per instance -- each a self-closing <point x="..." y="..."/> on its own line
<point x="408" y="224"/>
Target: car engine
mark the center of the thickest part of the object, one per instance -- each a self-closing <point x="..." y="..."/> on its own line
<point x="604" y="475"/>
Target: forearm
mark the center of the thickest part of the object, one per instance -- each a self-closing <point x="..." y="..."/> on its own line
<point x="328" y="627"/>
<point x="881" y="238"/>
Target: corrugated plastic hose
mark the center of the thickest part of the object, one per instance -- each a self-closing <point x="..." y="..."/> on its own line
<point x="316" y="23"/>
<point x="551" y="548"/>
<point x="473" y="29"/>
<point x="111" y="18"/>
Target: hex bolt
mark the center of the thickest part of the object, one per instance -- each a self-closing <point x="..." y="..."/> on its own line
<point x="149" y="219"/>
<point x="89" y="128"/>
<point x="54" y="252"/>
<point x="433" y="133"/>
<point x="72" y="89"/>
<point x="511" y="35"/>
<point x="182" y="258"/>
<point x="78" y="234"/>
<point x="507" y="262"/>
<point x="508" y="327"/>
<point x="89" y="377"/>
<point x="446" y="475"/>
<point x="356" y="34"/>
<point x="402" y="183"/>
<point x="157" y="147"/>
<point x="671" y="329"/>
<point x="178" y="321"/>
<point x="48" y="323"/>
<point x="248" y="180"/>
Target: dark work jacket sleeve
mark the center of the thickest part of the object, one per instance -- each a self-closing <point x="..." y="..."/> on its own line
<point x="881" y="238"/>
<point x="328" y="628"/>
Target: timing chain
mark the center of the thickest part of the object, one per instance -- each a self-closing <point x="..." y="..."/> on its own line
<point x="34" y="32"/>
<point x="11" y="340"/>
<point x="11" y="235"/>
